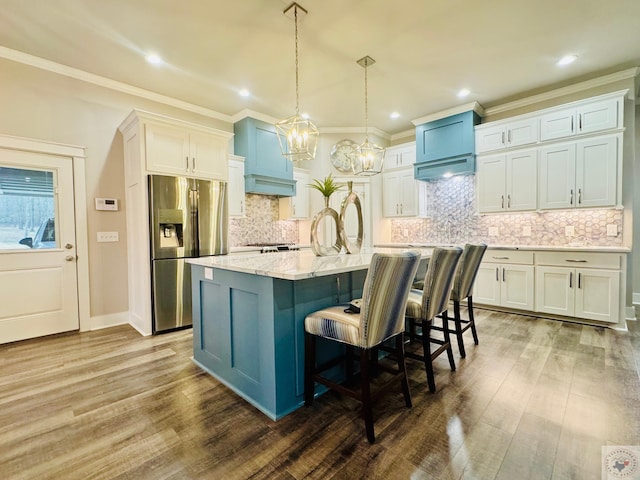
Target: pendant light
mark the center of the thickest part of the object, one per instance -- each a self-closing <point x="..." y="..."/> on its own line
<point x="298" y="137"/>
<point x="367" y="158"/>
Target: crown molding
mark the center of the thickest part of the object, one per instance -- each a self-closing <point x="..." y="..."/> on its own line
<point x="568" y="90"/>
<point x="374" y="131"/>
<point x="77" y="74"/>
<point x="247" y="112"/>
<point x="405" y="134"/>
<point x="475" y="106"/>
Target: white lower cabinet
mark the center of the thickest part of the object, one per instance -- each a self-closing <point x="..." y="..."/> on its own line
<point x="505" y="279"/>
<point x="567" y="290"/>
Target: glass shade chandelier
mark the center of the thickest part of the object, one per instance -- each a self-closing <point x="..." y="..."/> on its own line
<point x="298" y="137"/>
<point x="367" y="158"/>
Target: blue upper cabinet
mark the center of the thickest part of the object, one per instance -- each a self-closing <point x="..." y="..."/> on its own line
<point x="446" y="146"/>
<point x="266" y="171"/>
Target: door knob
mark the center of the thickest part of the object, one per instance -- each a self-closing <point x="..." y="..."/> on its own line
<point x="68" y="246"/>
<point x="69" y="258"/>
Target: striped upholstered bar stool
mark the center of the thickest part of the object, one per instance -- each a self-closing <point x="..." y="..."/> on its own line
<point x="381" y="318"/>
<point x="463" y="289"/>
<point x="423" y="306"/>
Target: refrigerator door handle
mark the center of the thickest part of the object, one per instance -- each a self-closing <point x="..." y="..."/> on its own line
<point x="193" y="213"/>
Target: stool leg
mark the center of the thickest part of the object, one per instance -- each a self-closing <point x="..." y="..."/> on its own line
<point x="403" y="369"/>
<point x="472" y="320"/>
<point x="349" y="364"/>
<point x="426" y="352"/>
<point x="365" y="389"/>
<point x="309" y="367"/>
<point x="447" y="339"/>
<point x="458" y="323"/>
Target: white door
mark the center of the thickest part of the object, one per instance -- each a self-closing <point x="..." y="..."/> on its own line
<point x="486" y="288"/>
<point x="596" y="172"/>
<point x="597" y="294"/>
<point x="491" y="184"/>
<point x="522" y="185"/>
<point x="557" y="176"/>
<point x="517" y="287"/>
<point x="555" y="290"/>
<point x="38" y="276"/>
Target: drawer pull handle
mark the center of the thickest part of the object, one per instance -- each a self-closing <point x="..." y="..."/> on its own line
<point x="576" y="261"/>
<point x="497" y="274"/>
<point x="500" y="258"/>
<point x="579" y="280"/>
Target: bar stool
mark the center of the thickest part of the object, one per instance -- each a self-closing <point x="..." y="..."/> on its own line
<point x="463" y="288"/>
<point x="423" y="306"/>
<point x="381" y="318"/>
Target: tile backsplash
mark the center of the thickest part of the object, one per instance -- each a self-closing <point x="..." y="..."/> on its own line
<point x="261" y="223"/>
<point x="452" y="219"/>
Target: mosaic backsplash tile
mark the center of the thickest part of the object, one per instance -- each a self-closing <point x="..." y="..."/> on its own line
<point x="452" y="219"/>
<point x="261" y="223"/>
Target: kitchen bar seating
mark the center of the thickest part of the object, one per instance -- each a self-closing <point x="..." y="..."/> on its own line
<point x="463" y="288"/>
<point x="381" y="318"/>
<point x="423" y="306"/>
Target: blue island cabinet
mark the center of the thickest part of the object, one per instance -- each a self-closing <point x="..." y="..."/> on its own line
<point x="248" y="331"/>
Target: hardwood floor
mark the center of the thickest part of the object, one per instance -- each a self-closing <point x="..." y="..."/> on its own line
<point x="537" y="399"/>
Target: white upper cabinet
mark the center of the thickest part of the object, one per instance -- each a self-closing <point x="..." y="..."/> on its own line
<point x="236" y="187"/>
<point x="580" y="174"/>
<point x="402" y="194"/>
<point x="176" y="150"/>
<point x="507" y="182"/>
<point x="512" y="134"/>
<point x="400" y="156"/>
<point x="581" y="119"/>
<point x="296" y="207"/>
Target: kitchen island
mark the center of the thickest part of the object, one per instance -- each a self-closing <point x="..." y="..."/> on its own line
<point x="248" y="318"/>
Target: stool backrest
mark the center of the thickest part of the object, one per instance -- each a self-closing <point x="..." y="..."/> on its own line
<point x="467" y="270"/>
<point x="439" y="280"/>
<point x="384" y="295"/>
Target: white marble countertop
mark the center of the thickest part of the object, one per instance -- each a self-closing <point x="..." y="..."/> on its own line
<point x="296" y="265"/>
<point x="555" y="248"/>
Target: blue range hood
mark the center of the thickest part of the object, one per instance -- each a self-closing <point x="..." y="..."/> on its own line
<point x="446" y="147"/>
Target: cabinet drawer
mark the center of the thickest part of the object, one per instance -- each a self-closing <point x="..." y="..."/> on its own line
<point x="508" y="256"/>
<point x="580" y="259"/>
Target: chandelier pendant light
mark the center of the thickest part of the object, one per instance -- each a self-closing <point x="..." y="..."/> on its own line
<point x="298" y="137"/>
<point x="367" y="158"/>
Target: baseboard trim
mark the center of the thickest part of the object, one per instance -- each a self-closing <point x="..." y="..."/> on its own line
<point x="636" y="299"/>
<point x="110" y="320"/>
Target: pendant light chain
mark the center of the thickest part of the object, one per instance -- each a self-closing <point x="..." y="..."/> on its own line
<point x="295" y="16"/>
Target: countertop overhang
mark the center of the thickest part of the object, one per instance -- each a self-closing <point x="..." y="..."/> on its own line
<point x="297" y="265"/>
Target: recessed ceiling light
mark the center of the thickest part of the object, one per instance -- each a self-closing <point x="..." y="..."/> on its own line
<point x="394" y="115"/>
<point x="566" y="60"/>
<point x="154" y="59"/>
<point x="463" y="93"/>
<point x="244" y="92"/>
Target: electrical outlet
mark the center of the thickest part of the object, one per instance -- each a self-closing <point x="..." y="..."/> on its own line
<point x="569" y="231"/>
<point x="612" y="230"/>
<point x="526" y="231"/>
<point x="493" y="231"/>
<point x="108" y="237"/>
<point x="405" y="232"/>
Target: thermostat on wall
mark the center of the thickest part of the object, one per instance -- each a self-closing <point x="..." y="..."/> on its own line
<point x="109" y="204"/>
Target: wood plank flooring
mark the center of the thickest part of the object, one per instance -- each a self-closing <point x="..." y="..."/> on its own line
<point x="537" y="399"/>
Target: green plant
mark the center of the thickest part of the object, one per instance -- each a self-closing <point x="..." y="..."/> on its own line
<point x="326" y="187"/>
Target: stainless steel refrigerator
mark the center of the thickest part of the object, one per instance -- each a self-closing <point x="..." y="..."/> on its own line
<point x="188" y="218"/>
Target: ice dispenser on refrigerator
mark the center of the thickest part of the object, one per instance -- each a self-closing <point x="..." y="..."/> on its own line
<point x="188" y="218"/>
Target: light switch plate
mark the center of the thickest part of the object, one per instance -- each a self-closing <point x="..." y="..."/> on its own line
<point x="493" y="231"/>
<point x="612" y="230"/>
<point x="569" y="231"/>
<point x="108" y="237"/>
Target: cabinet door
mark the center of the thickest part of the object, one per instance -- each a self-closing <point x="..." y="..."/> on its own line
<point x="300" y="203"/>
<point x="524" y="132"/>
<point x="491" y="184"/>
<point x="597" y="294"/>
<point x="557" y="176"/>
<point x="521" y="178"/>
<point x="167" y="149"/>
<point x="555" y="290"/>
<point x="558" y="124"/>
<point x="516" y="290"/>
<point x="391" y="194"/>
<point x="596" y="172"/>
<point x="597" y="116"/>
<point x="486" y="289"/>
<point x="236" y="188"/>
<point x="208" y="156"/>
<point x="407" y="155"/>
<point x="408" y="194"/>
<point x="490" y="138"/>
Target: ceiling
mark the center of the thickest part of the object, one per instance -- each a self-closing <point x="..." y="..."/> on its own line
<point x="425" y="51"/>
